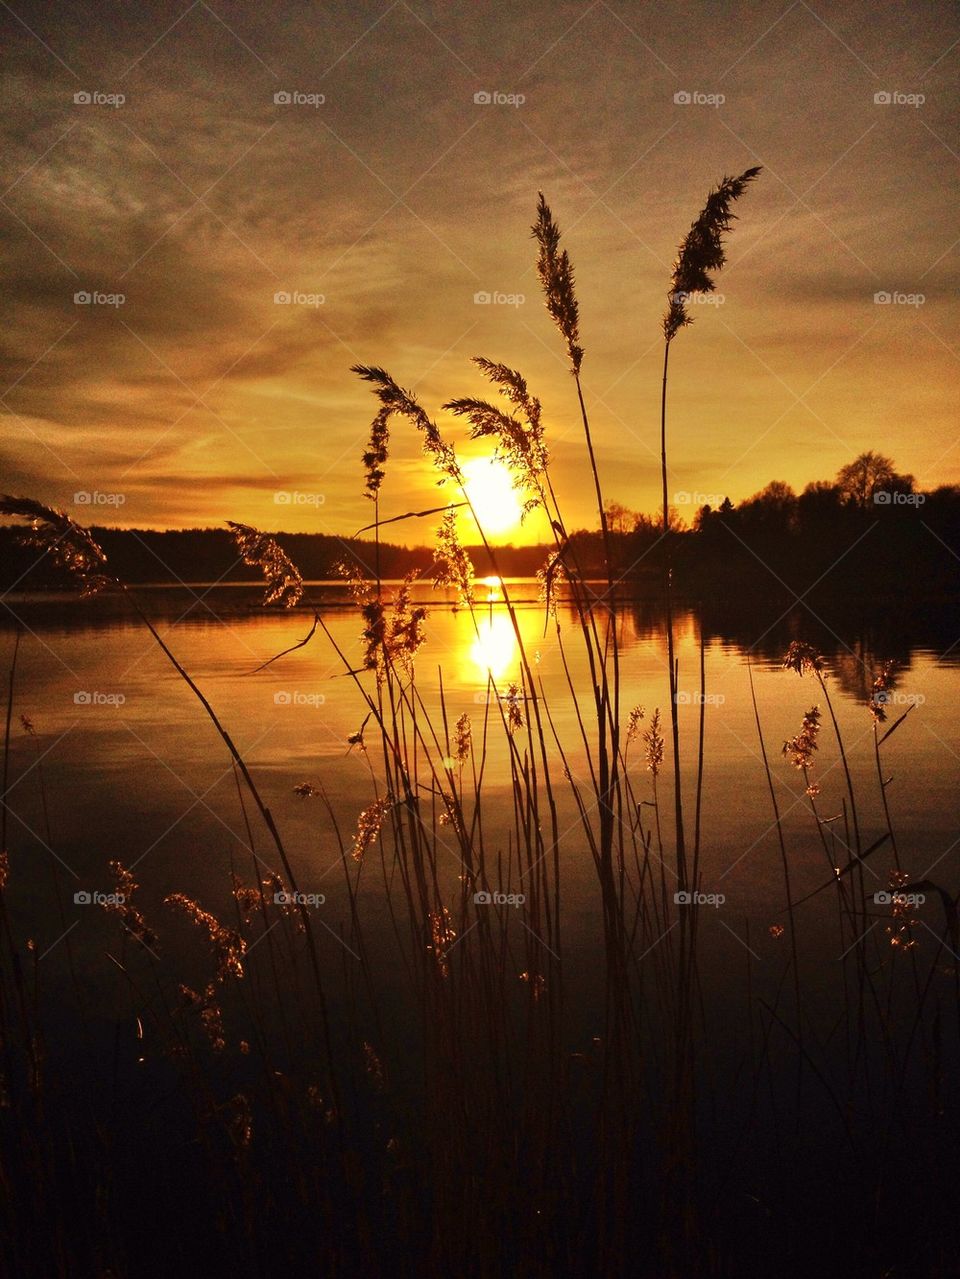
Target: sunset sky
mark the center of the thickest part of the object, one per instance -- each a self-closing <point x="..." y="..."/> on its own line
<point x="399" y="198"/>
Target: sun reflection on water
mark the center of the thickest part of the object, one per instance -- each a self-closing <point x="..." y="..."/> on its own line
<point x="494" y="647"/>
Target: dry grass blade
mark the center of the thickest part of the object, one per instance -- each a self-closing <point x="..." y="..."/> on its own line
<point x="896" y="724"/>
<point x="292" y="649"/>
<point x="410" y="515"/>
<point x="851" y="864"/>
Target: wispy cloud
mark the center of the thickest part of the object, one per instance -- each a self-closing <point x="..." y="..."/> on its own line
<point x="400" y="198"/>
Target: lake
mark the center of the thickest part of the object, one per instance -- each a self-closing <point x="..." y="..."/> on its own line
<point x="475" y="1015"/>
<point x="133" y="770"/>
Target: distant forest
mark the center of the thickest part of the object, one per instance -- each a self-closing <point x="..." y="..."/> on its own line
<point x="210" y="555"/>
<point x="868" y="533"/>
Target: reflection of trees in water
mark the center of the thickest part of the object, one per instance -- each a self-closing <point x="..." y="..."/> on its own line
<point x="854" y="669"/>
<point x="855" y="642"/>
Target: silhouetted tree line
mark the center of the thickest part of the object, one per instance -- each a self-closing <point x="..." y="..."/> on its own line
<point x="867" y="533"/>
<point x="210" y="555"/>
<point x="870" y="532"/>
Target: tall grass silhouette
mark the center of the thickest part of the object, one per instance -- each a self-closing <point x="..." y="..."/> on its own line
<point x="416" y="1099"/>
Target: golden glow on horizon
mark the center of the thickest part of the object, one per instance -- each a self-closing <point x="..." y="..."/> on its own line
<point x="492" y="495"/>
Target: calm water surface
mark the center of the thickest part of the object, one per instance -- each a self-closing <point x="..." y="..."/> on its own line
<point x="131" y="768"/>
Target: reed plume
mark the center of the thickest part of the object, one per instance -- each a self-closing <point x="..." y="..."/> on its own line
<point x="396" y="401"/>
<point x="375" y="457"/>
<point x="131" y="918"/>
<point x="520" y="445"/>
<point x="637" y="714"/>
<point x="556" y="278"/>
<point x="513" y="386"/>
<point x="284" y="585"/>
<point x="67" y="544"/>
<point x="653" y="741"/>
<point x="802" y="658"/>
<point x="208" y="1010"/>
<point x="229" y="947"/>
<point x="801" y="747"/>
<point x="512" y="701"/>
<point x="464" y="739"/>
<point x="368" y="827"/>
<point x="880" y="692"/>
<point x="452" y="565"/>
<point x="442" y="937"/>
<point x="702" y="251"/>
<point x="405" y="634"/>
<point x="547" y="577"/>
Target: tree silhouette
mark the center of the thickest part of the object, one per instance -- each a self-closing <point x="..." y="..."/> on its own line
<point x="869" y="474"/>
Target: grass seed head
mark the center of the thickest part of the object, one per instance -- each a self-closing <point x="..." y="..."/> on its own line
<point x="702" y="251"/>
<point x="71" y="548"/>
<point x="800" y="748"/>
<point x="556" y="280"/>
<point x="284" y="585"/>
<point x="802" y="658"/>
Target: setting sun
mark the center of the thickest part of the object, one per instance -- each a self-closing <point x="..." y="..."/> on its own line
<point x="491" y="492"/>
